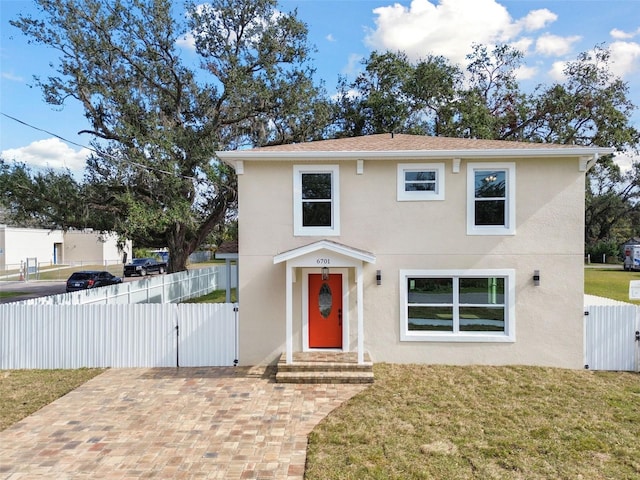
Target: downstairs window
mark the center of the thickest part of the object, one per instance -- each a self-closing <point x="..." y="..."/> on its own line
<point x="454" y="305"/>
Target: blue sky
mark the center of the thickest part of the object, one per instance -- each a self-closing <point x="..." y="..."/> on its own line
<point x="344" y="32"/>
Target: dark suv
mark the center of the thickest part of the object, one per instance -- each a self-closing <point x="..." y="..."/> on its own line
<point x="90" y="279"/>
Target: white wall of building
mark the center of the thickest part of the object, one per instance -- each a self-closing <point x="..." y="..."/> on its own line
<point x="18" y="244"/>
<point x="58" y="247"/>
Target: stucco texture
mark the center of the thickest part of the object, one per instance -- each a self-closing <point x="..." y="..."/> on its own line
<point x="420" y="235"/>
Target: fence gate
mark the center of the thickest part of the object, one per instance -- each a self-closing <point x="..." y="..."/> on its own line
<point x="612" y="337"/>
<point x="118" y="336"/>
<point x="207" y="336"/>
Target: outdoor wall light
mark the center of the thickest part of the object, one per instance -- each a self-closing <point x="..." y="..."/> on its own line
<point x="536" y="278"/>
<point x="325" y="273"/>
<point x="378" y="277"/>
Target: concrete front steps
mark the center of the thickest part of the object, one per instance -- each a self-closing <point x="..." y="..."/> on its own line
<point x="325" y="367"/>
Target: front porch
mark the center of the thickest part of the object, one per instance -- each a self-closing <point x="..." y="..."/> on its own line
<point x="325" y="367"/>
<point x="325" y="308"/>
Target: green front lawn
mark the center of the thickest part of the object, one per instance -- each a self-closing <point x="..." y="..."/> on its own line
<point x="445" y="422"/>
<point x="609" y="282"/>
<point x="22" y="392"/>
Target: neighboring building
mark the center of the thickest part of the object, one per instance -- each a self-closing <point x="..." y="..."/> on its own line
<point x="55" y="247"/>
<point x="414" y="249"/>
<point x="631" y="241"/>
<point x="18" y="244"/>
<point x="101" y="248"/>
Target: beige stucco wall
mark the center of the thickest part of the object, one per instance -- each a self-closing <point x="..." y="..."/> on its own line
<point x="91" y="247"/>
<point x="421" y="235"/>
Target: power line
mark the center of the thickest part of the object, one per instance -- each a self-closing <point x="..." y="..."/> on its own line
<point x="47" y="132"/>
<point x="146" y="167"/>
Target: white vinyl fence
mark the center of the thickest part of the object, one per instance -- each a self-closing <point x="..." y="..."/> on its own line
<point x="134" y="324"/>
<point x="612" y="337"/>
<point x="171" y="288"/>
<point x="148" y="335"/>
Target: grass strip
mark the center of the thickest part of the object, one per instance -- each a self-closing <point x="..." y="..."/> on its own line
<point x="610" y="283"/>
<point x="217" y="296"/>
<point x="476" y="422"/>
<point x="12" y="294"/>
<point x="23" y="392"/>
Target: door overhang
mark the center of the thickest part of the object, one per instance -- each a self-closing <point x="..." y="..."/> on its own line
<point x="319" y="255"/>
<point x="313" y="254"/>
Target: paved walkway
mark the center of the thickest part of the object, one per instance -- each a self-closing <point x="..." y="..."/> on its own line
<point x="222" y="423"/>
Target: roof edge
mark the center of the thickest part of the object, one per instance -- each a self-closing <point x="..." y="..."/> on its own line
<point x="251" y="155"/>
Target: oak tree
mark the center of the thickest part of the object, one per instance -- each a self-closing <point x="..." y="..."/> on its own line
<point x="157" y="116"/>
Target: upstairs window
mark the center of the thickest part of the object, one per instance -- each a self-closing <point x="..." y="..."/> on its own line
<point x="420" y="181"/>
<point x="316" y="200"/>
<point x="491" y="199"/>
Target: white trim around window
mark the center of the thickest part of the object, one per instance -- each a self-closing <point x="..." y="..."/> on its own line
<point x="499" y="216"/>
<point x="420" y="181"/>
<point x="457" y="305"/>
<point x="330" y="222"/>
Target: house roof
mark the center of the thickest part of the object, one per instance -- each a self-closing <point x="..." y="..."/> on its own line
<point x="228" y="250"/>
<point x="407" y="146"/>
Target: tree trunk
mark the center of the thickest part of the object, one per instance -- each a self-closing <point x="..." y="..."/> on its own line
<point x="178" y="250"/>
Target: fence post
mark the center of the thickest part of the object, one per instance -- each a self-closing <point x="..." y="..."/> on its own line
<point x="177" y="322"/>
<point x="236" y="360"/>
<point x="638" y="339"/>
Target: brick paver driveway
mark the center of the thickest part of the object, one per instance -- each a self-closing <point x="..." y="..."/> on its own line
<point x="227" y="423"/>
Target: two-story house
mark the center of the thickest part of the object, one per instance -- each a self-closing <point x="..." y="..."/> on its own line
<point x="413" y="249"/>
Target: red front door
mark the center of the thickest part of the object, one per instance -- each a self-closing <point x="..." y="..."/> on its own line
<point x="325" y="311"/>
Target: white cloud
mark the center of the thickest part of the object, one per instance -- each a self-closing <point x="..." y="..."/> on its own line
<point x="187" y="42"/>
<point x="522" y="44"/>
<point x="51" y="153"/>
<point x="353" y="65"/>
<point x="557" y="71"/>
<point x="449" y="27"/>
<point x="537" y="19"/>
<point x="626" y="160"/>
<point x="624" y="61"/>
<point x="330" y="38"/>
<point x="351" y="94"/>
<point x="526" y="73"/>
<point x="625" y="58"/>
<point x="534" y="20"/>
<point x="554" y="45"/>
<point x="10" y="76"/>
<point x="622" y="35"/>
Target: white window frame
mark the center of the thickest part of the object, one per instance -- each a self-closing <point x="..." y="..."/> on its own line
<point x="438" y="194"/>
<point x="298" y="228"/>
<point x="510" y="200"/>
<point x="509" y="334"/>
